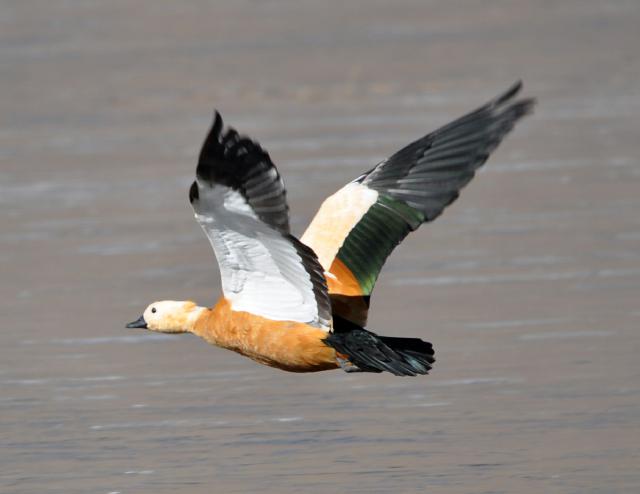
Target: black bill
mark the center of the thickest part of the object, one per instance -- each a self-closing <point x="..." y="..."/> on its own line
<point x="138" y="323"/>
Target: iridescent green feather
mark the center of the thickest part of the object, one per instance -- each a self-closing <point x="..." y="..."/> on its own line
<point x="381" y="229"/>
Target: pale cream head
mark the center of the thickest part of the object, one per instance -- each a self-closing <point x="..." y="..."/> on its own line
<point x="169" y="316"/>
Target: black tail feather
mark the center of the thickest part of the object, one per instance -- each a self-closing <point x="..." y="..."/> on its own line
<point x="368" y="352"/>
<point x="414" y="350"/>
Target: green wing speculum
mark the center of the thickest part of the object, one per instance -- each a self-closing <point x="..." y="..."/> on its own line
<point x="357" y="228"/>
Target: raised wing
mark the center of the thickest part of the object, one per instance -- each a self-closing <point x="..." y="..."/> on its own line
<point x="240" y="202"/>
<point x="357" y="228"/>
<point x="237" y="162"/>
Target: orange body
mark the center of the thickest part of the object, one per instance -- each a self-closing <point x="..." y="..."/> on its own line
<point x="290" y="346"/>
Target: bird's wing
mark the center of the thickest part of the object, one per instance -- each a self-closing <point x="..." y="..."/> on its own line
<point x="240" y="202"/>
<point x="357" y="228"/>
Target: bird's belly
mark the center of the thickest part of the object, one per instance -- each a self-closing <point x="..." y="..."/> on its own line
<point x="288" y="346"/>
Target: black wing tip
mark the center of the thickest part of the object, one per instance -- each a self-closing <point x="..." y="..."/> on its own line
<point x="218" y="122"/>
<point x="233" y="160"/>
<point x="510" y="93"/>
<point x="194" y="194"/>
<point x="225" y="143"/>
<point x="229" y="138"/>
<point x="523" y="106"/>
<point x="220" y="159"/>
<point x="215" y="131"/>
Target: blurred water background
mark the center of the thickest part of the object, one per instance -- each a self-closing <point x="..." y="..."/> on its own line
<point x="529" y="286"/>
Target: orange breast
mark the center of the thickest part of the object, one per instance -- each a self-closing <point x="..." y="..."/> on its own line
<point x="290" y="346"/>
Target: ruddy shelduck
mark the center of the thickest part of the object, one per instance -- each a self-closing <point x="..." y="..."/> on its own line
<point x="301" y="305"/>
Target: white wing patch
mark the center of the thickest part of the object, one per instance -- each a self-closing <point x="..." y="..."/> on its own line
<point x="334" y="220"/>
<point x="262" y="273"/>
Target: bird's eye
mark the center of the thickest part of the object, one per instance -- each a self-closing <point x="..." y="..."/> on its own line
<point x="153" y="309"/>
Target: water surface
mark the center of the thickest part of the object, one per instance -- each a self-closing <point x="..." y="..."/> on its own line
<point x="529" y="286"/>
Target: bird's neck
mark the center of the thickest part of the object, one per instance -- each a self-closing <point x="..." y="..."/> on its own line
<point x="212" y="324"/>
<point x="189" y="319"/>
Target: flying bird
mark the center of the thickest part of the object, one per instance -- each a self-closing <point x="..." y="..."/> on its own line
<point x="301" y="305"/>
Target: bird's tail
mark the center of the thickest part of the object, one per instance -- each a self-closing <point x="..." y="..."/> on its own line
<point x="360" y="350"/>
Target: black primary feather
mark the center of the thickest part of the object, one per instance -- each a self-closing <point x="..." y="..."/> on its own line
<point x="429" y="173"/>
<point x="316" y="275"/>
<point x="229" y="159"/>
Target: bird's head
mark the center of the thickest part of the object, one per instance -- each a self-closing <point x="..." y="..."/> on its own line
<point x="168" y="316"/>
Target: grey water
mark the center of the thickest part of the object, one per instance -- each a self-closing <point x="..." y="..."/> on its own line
<point x="528" y="286"/>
